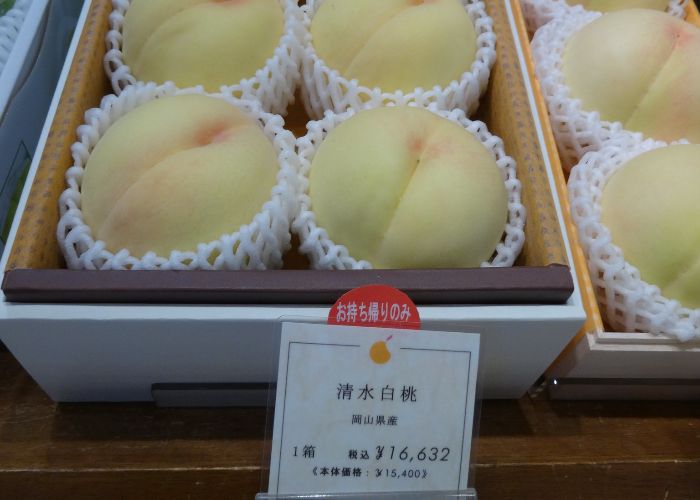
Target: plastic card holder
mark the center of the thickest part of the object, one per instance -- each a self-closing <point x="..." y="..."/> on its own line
<point x="334" y="451"/>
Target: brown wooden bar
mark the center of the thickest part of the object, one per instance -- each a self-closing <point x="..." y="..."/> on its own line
<point x="528" y="449"/>
<point x="517" y="285"/>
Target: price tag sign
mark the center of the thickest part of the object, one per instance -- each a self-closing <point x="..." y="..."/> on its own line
<point x="372" y="410"/>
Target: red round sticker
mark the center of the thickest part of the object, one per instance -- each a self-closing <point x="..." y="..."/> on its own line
<point x="375" y="305"/>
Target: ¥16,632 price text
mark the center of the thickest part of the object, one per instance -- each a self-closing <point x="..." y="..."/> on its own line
<point x="405" y="454"/>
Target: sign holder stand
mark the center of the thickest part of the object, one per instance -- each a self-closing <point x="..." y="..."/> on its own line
<point x="469" y="494"/>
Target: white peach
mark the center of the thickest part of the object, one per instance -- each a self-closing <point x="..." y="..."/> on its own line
<point x="402" y="187"/>
<point x="651" y="208"/>
<point x="176" y="172"/>
<point x="395" y="44"/>
<point x="200" y="42"/>
<point x="640" y="68"/>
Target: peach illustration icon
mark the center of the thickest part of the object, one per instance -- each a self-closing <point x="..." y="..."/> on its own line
<point x="379" y="352"/>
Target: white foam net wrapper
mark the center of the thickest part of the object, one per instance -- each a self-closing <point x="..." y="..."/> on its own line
<point x="539" y="12"/>
<point x="629" y="303"/>
<point x="325" y="254"/>
<point x="324" y="88"/>
<point x="257" y="245"/>
<point x="273" y="85"/>
<point x="10" y="24"/>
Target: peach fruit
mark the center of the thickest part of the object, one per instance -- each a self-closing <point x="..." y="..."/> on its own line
<point x="176" y="172"/>
<point x="395" y="44"/>
<point x="651" y="208"/>
<point x="638" y="67"/>
<point x="200" y="42"/>
<point x="402" y="187"/>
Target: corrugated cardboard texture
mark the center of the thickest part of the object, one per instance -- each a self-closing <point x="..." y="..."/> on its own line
<point x="505" y="109"/>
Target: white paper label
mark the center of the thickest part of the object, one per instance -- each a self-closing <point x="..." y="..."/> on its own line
<point x="372" y="410"/>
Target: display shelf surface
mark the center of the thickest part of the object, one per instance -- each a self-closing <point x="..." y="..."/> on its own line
<point x="531" y="448"/>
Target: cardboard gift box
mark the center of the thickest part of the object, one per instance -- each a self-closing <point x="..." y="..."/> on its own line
<point x="600" y="363"/>
<point x="110" y="336"/>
